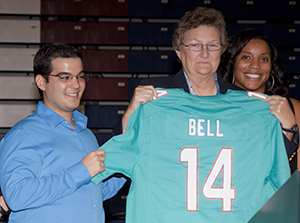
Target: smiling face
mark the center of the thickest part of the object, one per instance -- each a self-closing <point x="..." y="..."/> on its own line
<point x="63" y="97"/>
<point x="253" y="65"/>
<point x="204" y="62"/>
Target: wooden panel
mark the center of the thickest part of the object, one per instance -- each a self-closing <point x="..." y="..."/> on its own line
<point x="153" y="61"/>
<point x="294" y="89"/>
<point x="17" y="59"/>
<point x="89" y="32"/>
<point x="151" y="33"/>
<point x="18" y="87"/>
<point x="31" y="7"/>
<point x="12" y="113"/>
<point x="105" y="60"/>
<point x="291" y="62"/>
<point x="20" y="31"/>
<point x="85" y="7"/>
<point x="289" y="34"/>
<point x="106" y="89"/>
<point x="103" y="116"/>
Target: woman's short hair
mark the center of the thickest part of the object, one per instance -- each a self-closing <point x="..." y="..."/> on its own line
<point x="197" y="17"/>
<point x="237" y="43"/>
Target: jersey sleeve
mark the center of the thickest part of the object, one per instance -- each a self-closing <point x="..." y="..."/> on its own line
<point x="280" y="171"/>
<point x="122" y="151"/>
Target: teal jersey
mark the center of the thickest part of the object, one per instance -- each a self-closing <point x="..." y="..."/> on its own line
<point x="199" y="159"/>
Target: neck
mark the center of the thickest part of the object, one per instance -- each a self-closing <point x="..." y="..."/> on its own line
<point x="69" y="117"/>
<point x="204" y="86"/>
<point x="261" y="89"/>
<point x="73" y="124"/>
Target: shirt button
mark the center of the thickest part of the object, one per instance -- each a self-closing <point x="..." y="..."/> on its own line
<point x="94" y="205"/>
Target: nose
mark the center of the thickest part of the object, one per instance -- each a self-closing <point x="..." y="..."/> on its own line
<point x="254" y="64"/>
<point x="75" y="83"/>
<point x="204" y="52"/>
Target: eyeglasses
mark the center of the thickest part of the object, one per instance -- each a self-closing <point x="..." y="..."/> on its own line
<point x="197" y="47"/>
<point x="68" y="77"/>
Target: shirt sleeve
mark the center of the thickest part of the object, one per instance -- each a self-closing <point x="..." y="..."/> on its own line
<point x="21" y="161"/>
<point x="112" y="186"/>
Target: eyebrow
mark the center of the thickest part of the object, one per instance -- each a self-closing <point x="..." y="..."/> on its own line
<point x="251" y="53"/>
<point x="200" y="41"/>
<point x="68" y="73"/>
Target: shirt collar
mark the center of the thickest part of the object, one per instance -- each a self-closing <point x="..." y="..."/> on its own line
<point x="191" y="88"/>
<point x="53" y="119"/>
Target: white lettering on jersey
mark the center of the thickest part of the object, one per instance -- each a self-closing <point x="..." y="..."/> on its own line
<point x="222" y="166"/>
<point x="252" y="94"/>
<point x="190" y="156"/>
<point x="192" y="127"/>
<point x="218" y="129"/>
<point x="196" y="127"/>
<point x="160" y="93"/>
<point x="226" y="193"/>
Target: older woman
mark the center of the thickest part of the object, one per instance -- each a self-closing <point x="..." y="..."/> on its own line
<point x="253" y="63"/>
<point x="199" y="41"/>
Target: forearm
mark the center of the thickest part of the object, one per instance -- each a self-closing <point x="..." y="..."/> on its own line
<point x="292" y="144"/>
<point x="22" y="189"/>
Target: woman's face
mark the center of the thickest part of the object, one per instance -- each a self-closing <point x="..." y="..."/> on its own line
<point x="252" y="66"/>
<point x="204" y="62"/>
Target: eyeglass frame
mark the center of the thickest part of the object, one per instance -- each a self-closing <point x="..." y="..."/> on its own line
<point x="202" y="45"/>
<point x="86" y="76"/>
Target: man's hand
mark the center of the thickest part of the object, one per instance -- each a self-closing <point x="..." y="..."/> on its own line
<point x="94" y="162"/>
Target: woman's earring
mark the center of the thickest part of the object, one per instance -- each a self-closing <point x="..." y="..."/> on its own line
<point x="273" y="82"/>
<point x="233" y="79"/>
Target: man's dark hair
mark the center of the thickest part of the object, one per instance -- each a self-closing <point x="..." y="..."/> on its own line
<point x="42" y="62"/>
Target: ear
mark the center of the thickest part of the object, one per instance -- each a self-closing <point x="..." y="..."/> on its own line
<point x="40" y="82"/>
<point x="178" y="54"/>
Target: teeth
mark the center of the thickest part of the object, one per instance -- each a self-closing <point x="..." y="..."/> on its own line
<point x="252" y="75"/>
<point x="72" y="94"/>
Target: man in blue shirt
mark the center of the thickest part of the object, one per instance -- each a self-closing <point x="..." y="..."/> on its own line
<point x="48" y="159"/>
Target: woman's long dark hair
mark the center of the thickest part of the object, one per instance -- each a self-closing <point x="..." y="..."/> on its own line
<point x="237" y="43"/>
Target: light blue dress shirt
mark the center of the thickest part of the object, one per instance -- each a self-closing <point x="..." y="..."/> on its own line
<point x="42" y="176"/>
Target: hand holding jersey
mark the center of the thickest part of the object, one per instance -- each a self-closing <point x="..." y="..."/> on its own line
<point x="141" y="95"/>
<point x="94" y="162"/>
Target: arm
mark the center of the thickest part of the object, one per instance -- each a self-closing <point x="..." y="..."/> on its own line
<point x="280" y="108"/>
<point x="141" y="95"/>
<point x="22" y="159"/>
<point x="296" y="104"/>
<point x="112" y="186"/>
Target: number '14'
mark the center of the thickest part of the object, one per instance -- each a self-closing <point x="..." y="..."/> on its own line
<point x="222" y="164"/>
